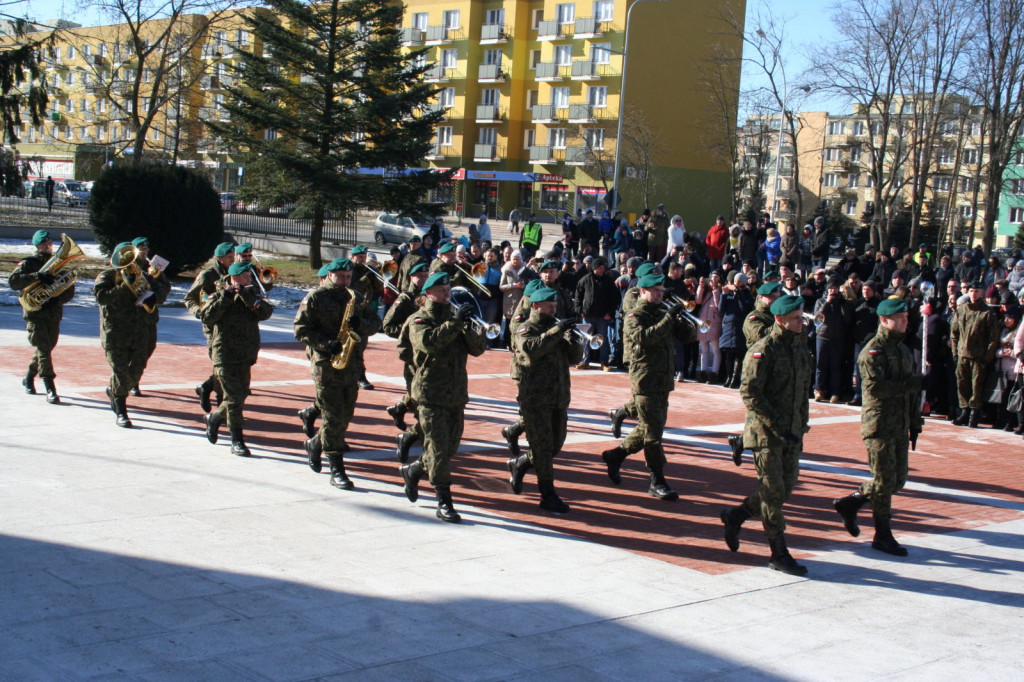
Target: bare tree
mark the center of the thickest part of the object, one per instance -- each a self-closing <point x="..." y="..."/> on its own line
<point x="641" y="143"/>
<point x="718" y="88"/>
<point x="758" y="142"/>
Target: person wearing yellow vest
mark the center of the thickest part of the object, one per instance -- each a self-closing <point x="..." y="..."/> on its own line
<point x="529" y="238"/>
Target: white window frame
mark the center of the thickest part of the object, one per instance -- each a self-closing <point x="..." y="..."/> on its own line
<point x="942" y="183"/>
<point x="597" y="96"/>
<point x="421" y="20"/>
<point x="446" y="98"/>
<point x="487" y="136"/>
<point x="449" y="58"/>
<point x="565" y="13"/>
<point x="851" y="207"/>
<point x="490" y="97"/>
<point x="495" y="17"/>
<point x="529" y="138"/>
<point x="536" y="18"/>
<point x="493" y="57"/>
<point x="1016" y="215"/>
<point x="970" y="156"/>
<point x="836" y="127"/>
<point x="855" y="153"/>
<point x="604" y="10"/>
<point x="833" y="154"/>
<point x="563" y="55"/>
<point x="830" y="180"/>
<point x="593" y="138"/>
<point x="556" y="138"/>
<point x="560" y="97"/>
<point x="451" y="19"/>
<point x="966" y="211"/>
<point x="601" y="53"/>
<point x="444" y="136"/>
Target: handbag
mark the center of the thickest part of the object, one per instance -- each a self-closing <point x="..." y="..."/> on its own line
<point x="995" y="386"/>
<point x="1015" y="401"/>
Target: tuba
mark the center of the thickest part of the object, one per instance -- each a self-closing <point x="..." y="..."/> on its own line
<point x="348" y="338"/>
<point x="124" y="261"/>
<point x="36" y="294"/>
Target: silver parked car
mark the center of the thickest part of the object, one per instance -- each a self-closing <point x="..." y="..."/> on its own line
<point x="70" y="192"/>
<point x="393" y="228"/>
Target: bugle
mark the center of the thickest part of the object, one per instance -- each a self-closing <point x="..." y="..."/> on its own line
<point x="593" y="341"/>
<point x="461" y="297"/>
<point x="703" y="326"/>
<point x="263" y="275"/>
<point x="816" y="320"/>
<point x="385" y="273"/>
<point x="475" y="274"/>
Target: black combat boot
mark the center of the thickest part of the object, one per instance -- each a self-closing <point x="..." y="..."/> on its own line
<point x="549" y="499"/>
<point x="404" y="440"/>
<point x="238" y="446"/>
<point x="204" y="390"/>
<point x="848" y="507"/>
<point x="736" y="443"/>
<point x="51" y="391"/>
<point x="364" y="383"/>
<point x="397" y="414"/>
<point x="29" y="382"/>
<point x="314" y="453"/>
<point x="617" y="416"/>
<point x="884" y="541"/>
<point x="614" y="459"/>
<point x="411" y="474"/>
<point x="782" y="560"/>
<point x="963" y="417"/>
<point x="973" y="420"/>
<point x="445" y="509"/>
<point x="213" y="420"/>
<point x="136" y="391"/>
<point x="733" y="520"/>
<point x="659" y="487"/>
<point x="308" y="417"/>
<point x="122" y="413"/>
<point x="511" y="435"/>
<point x="339" y="479"/>
<point x="518" y="466"/>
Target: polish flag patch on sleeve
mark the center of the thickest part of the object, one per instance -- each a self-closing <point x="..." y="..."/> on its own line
<point x="757" y="356"/>
<point x="872" y="352"/>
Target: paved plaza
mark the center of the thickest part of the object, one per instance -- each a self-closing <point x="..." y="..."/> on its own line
<point x="150" y="554"/>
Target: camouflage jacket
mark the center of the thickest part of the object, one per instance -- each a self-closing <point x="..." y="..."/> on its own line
<point x="400" y="311"/>
<point x="120" y="317"/>
<point x="544" y="355"/>
<point x="204" y="284"/>
<point x="366" y="283"/>
<point x="758" y="323"/>
<point x="974" y="332"/>
<point x="890" y="387"/>
<point x="24" y="275"/>
<point x="234" y="321"/>
<point x="440" y="346"/>
<point x="777" y="374"/>
<point x="319" y="320"/>
<point x="650" y="334"/>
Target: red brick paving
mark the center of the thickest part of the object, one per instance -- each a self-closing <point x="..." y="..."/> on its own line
<point x="686" y="532"/>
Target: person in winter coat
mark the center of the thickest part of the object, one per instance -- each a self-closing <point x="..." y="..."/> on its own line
<point x="790" y="248"/>
<point x="821" y="244"/>
<point x="737" y="302"/>
<point x="514" y="276"/>
<point x="773" y="248"/>
<point x="749" y="243"/>
<point x="676" y="233"/>
<point x="709" y="298"/>
<point x="717" y="240"/>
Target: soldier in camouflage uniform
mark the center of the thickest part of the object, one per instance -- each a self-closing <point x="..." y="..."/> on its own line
<point x="124" y="331"/>
<point x="204" y="285"/>
<point x="565" y="309"/>
<point x="757" y="325"/>
<point x="651" y="332"/>
<point x="630" y="302"/>
<point x="974" y="337"/>
<point x="142" y="244"/>
<point x="309" y="415"/>
<point x="777" y="374"/>
<point x="233" y="313"/>
<point x="889" y="422"/>
<point x="317" y="326"/>
<point x="445" y="262"/>
<point x="544" y="348"/>
<point x="370" y="287"/>
<point x="43" y="325"/>
<point x="404" y="307"/>
<point x="441" y="341"/>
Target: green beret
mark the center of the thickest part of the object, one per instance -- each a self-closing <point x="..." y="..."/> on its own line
<point x="768" y="288"/>
<point x="551" y="265"/>
<point x="418" y="268"/>
<point x="140" y="242"/>
<point x="223" y="249"/>
<point x="543" y="294"/>
<point x="445" y="248"/>
<point x="357" y="250"/>
<point x="434" y="280"/>
<point x="238" y="267"/>
<point x="415" y="238"/>
<point x="39" y="237"/>
<point x="651" y="280"/>
<point x="892" y="306"/>
<point x="646" y="269"/>
<point x="339" y="265"/>
<point x="531" y="287"/>
<point x="322" y="272"/>
<point x="977" y="284"/>
<point x="244" y="247"/>
<point x="120" y="246"/>
<point x="772" y="276"/>
<point x="784" y="305"/>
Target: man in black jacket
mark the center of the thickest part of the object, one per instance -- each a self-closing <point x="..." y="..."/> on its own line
<point x="865" y="323"/>
<point x="821" y="243"/>
<point x="830" y="343"/>
<point x="597" y="299"/>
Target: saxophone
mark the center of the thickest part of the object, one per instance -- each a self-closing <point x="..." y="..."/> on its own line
<point x="348" y="338"/>
<point x="36" y="294"/>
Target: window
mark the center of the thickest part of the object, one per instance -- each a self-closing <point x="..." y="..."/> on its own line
<point x="538" y="16"/>
<point x="446" y="98"/>
<point x="101" y="106"/>
<point x="855" y="154"/>
<point x="970" y="156"/>
<point x="853" y="181"/>
<point x="974" y="128"/>
<point x="597" y="96"/>
<point x="451" y="18"/>
<point x="70" y="80"/>
<point x="966" y="211"/>
<point x="71" y="52"/>
<point x="876" y="128"/>
<point x="563" y="55"/>
<point x="86" y="50"/>
<point x="86" y="78"/>
<point x="495" y="17"/>
<point x="419" y="61"/>
<point x="490" y="96"/>
<point x="560" y="97"/>
<point x="155" y="134"/>
<point x="836" y="128"/>
<point x="1017" y="215"/>
<point x="242" y="37"/>
<point x="556" y="138"/>
<point x="851" y="207"/>
<point x="942" y="183"/>
<point x="492" y="57"/>
<point x="944" y="156"/>
<point x="444" y="136"/>
<point x="269" y="134"/>
<point x="487" y="136"/>
<point x="604" y="10"/>
<point x="593" y="138"/>
<point x="534" y="59"/>
<point x="965" y="185"/>
<point x="147" y="75"/>
<point x="870" y="182"/>
<point x="830" y="180"/>
<point x="554" y="197"/>
<point x="858" y="127"/>
<point x="1018" y="158"/>
<point x="103" y="50"/>
<point x="833" y="154"/>
<point x="601" y="53"/>
<point x="529" y="138"/>
<point x="566" y="13"/>
<point x="419" y="20"/>
<point x="532" y="98"/>
<point x="449" y="58"/>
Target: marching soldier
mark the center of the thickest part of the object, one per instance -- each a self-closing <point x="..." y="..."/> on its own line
<point x="441" y="341"/>
<point x="125" y="330"/>
<point x="404" y="307"/>
<point x="233" y="313"/>
<point x="545" y="348"/>
<point x="163" y="286"/>
<point x="43" y="325"/>
<point x="371" y="288"/>
<point x="757" y="325"/>
<point x="651" y="330"/>
<point x="309" y="415"/>
<point x="777" y="373"/>
<point x="319" y="325"/>
<point x="974" y="337"/>
<point x="243" y="253"/>
<point x="204" y="285"/>
<point x="445" y="262"/>
<point x="630" y="301"/>
<point x="890" y="421"/>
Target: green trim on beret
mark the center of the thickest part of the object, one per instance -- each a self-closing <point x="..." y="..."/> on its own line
<point x="543" y="294"/>
<point x="238" y="267"/>
<point x="532" y="287"/>
<point x="120" y="246"/>
<point x="892" y="306"/>
<point x="322" y="272"/>
<point x="551" y="265"/>
<point x="976" y="284"/>
<point x="243" y="247"/>
<point x="772" y="276"/>
<point x="39" y="237"/>
<point x="445" y="248"/>
<point x="434" y="280"/>
<point x="646" y="269"/>
<point x="223" y="249"/>
<point x="357" y="250"/>
<point x="650" y="281"/>
<point x="768" y="288"/>
<point x="784" y="305"/>
<point x="419" y="268"/>
<point x="339" y="265"/>
<point x="139" y="241"/>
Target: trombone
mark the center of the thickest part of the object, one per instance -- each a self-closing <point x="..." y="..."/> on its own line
<point x="672" y="300"/>
<point x="475" y="275"/>
<point x="263" y="275"/>
<point x="385" y="273"/>
<point x="593" y="341"/>
<point x="491" y="331"/>
<point x="816" y="320"/>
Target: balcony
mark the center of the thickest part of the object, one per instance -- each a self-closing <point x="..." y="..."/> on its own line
<point x="548" y="72"/>
<point x="438" y="35"/>
<point x="576" y="156"/>
<point x="486" y="152"/>
<point x="436" y="74"/>
<point x="589" y="27"/>
<point x="440" y="151"/>
<point x="492" y="34"/>
<point x="488" y="113"/>
<point x="411" y="37"/>
<point x="842" y="140"/>
<point x="434" y="108"/>
<point x="545" y="113"/>
<point x="584" y="113"/>
<point x="552" y="30"/>
<point x="587" y="70"/>
<point x="546" y="154"/>
<point x="490" y="73"/>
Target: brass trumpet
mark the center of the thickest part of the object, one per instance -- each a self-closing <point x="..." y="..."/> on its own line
<point x="124" y="260"/>
<point x="476" y="275"/>
<point x="266" y="275"/>
<point x="385" y="273"/>
<point x="687" y="312"/>
<point x="816" y="320"/>
<point x="491" y="331"/>
<point x="593" y="341"/>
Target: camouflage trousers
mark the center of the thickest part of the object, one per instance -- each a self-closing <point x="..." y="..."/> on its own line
<point x="43" y="337"/>
<point x="777" y="472"/>
<point x="127" y="357"/>
<point x="336" y="393"/>
<point x="234" y="381"/>
<point x="211" y="381"/>
<point x="651" y="414"/>
<point x="545" y="429"/>
<point x="410" y="404"/>
<point x="442" y="431"/>
<point x="889" y="462"/>
<point x="970" y="383"/>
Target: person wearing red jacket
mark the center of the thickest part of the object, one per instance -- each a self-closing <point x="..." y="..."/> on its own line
<point x="717" y="242"/>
